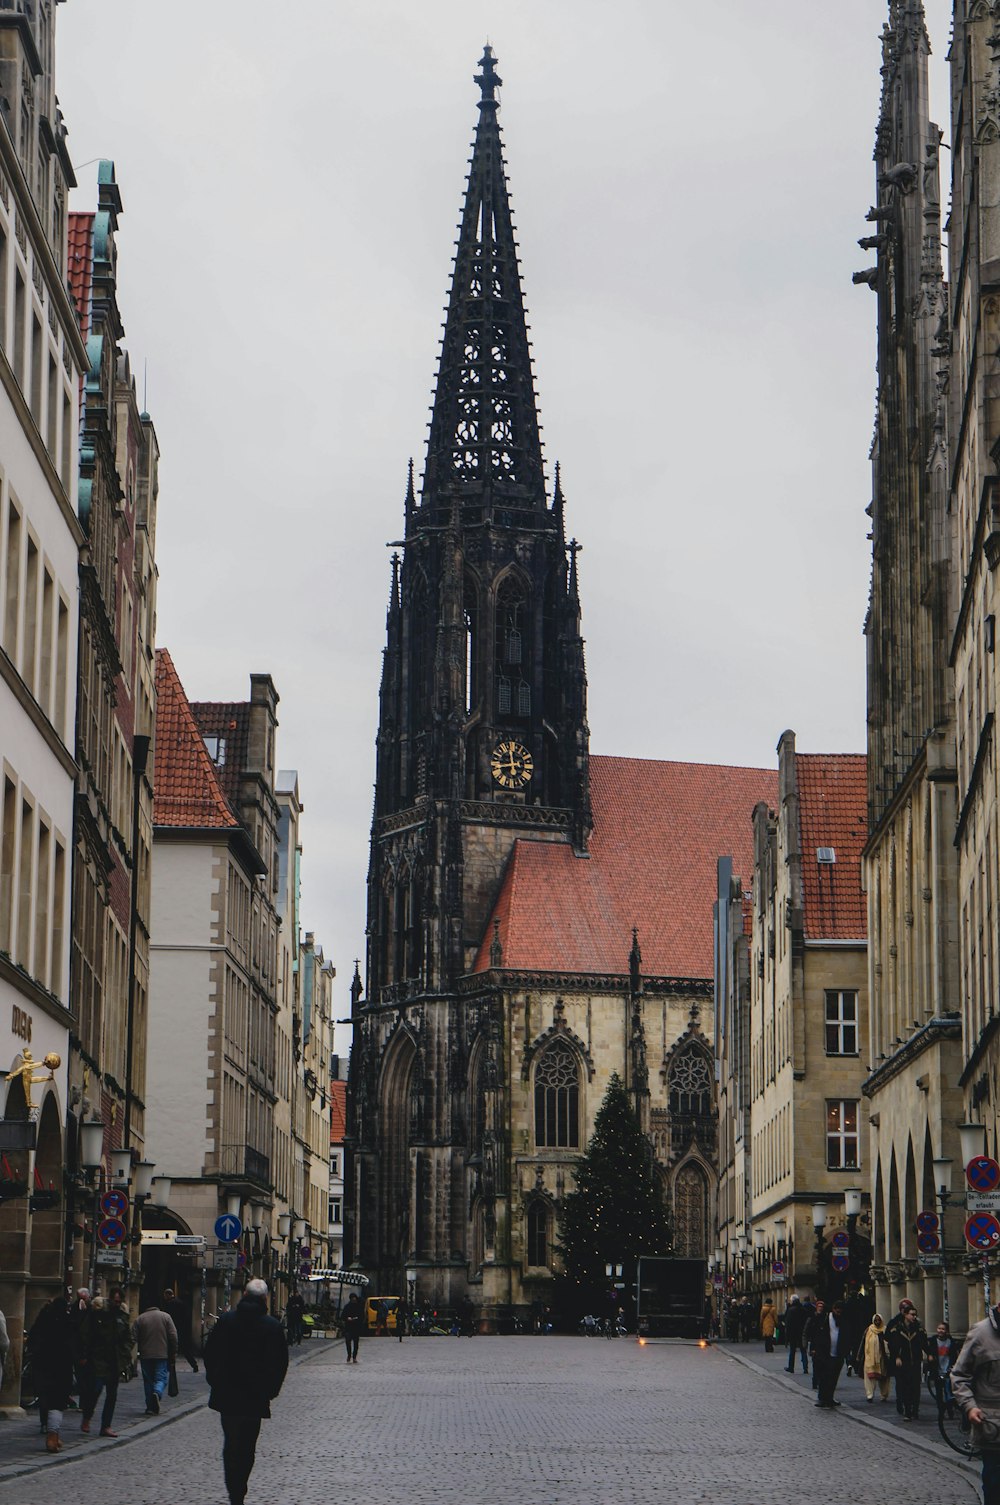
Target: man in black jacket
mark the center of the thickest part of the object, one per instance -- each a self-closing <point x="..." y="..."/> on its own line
<point x="796" y="1317"/>
<point x="826" y="1346"/>
<point x="246" y="1359"/>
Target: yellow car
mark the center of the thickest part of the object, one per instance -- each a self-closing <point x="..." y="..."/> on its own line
<point x="388" y="1322"/>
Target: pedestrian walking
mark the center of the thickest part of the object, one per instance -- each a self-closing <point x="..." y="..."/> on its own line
<point x="4" y="1346"/>
<point x="107" y="1346"/>
<point x="828" y="1357"/>
<point x="156" y="1340"/>
<point x="51" y="1344"/>
<point x="975" y="1381"/>
<point x="295" y="1311"/>
<point x="78" y="1305"/>
<point x="892" y="1326"/>
<point x="907" y="1345"/>
<point x="400" y="1318"/>
<point x="246" y="1360"/>
<point x="812" y="1327"/>
<point x="768" y="1323"/>
<point x="179" y="1312"/>
<point x="872" y="1360"/>
<point x="796" y="1316"/>
<point x="351" y="1319"/>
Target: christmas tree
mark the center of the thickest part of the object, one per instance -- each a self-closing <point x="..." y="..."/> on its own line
<point x="615" y="1214"/>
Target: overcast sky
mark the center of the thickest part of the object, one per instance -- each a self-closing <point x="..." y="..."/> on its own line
<point x="689" y="183"/>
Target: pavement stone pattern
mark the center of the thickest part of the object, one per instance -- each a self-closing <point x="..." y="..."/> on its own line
<point x="517" y="1421"/>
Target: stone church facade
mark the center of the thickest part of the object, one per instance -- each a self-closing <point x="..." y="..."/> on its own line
<point x="538" y="919"/>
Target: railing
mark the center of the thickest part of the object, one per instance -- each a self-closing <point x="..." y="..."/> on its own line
<point x="239" y="1160"/>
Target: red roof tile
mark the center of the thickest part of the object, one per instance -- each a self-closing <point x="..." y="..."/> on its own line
<point x="80" y="266"/>
<point x="338" y="1112"/>
<point x="231" y="720"/>
<point x="659" y="829"/>
<point x="186" y="792"/>
<point x="833" y="812"/>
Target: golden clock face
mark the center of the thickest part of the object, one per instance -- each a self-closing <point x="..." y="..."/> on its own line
<point x="511" y="765"/>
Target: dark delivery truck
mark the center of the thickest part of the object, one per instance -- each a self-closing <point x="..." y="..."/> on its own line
<point x="672" y="1301"/>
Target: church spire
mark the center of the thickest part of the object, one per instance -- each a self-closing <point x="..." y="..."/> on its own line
<point x="484" y="440"/>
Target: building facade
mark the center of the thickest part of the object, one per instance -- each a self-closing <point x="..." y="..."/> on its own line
<point x="808" y="1022"/>
<point x="112" y="852"/>
<point x="42" y="360"/>
<point x="487" y="1035"/>
<point x="916" y="783"/>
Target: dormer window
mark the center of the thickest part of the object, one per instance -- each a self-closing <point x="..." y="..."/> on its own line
<point x="216" y="747"/>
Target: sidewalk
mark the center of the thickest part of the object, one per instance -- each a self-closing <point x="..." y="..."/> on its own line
<point x="880" y="1416"/>
<point x="22" y="1444"/>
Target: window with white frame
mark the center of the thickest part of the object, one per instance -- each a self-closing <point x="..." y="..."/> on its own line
<point x="335" y="1210"/>
<point x="841" y="1023"/>
<point x="842" y="1134"/>
<point x="335" y="1163"/>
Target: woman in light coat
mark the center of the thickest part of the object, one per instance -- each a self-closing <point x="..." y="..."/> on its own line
<point x="768" y="1323"/>
<point x="873" y="1360"/>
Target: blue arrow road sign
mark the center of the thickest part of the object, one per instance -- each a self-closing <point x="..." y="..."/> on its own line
<point x="228" y="1228"/>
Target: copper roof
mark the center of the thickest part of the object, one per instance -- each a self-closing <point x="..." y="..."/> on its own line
<point x="659" y="829"/>
<point x="833" y="813"/>
<point x="186" y="790"/>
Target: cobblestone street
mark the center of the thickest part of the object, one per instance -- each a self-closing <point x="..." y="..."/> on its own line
<point x="534" y="1421"/>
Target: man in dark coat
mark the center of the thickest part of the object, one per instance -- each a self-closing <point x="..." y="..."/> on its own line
<point x="179" y="1312"/>
<point x="246" y="1359"/>
<point x="796" y="1317"/>
<point x="351" y="1321"/>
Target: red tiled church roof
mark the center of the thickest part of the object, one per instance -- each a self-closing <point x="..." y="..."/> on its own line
<point x="833" y="812"/>
<point x="338" y="1112"/>
<point x="659" y="829"/>
<point x="186" y="792"/>
<point x="80" y="265"/>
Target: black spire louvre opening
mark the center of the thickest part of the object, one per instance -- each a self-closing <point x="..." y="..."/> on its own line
<point x="484" y="440"/>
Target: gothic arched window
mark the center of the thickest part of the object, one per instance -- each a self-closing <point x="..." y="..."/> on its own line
<point x="557" y="1098"/>
<point x="690" y="1213"/>
<point x="513" y="643"/>
<point x="538" y="1234"/>
<point x="691" y="1084"/>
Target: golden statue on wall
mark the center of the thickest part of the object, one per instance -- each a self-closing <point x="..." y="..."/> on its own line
<point x="26" y="1069"/>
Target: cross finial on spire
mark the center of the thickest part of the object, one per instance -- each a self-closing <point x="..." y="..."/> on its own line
<point x="489" y="80"/>
<point x="573" y="549"/>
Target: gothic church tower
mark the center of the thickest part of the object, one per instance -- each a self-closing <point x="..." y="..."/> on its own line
<point x="482" y="738"/>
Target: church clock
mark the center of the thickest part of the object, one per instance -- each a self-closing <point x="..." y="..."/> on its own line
<point x="511" y="765"/>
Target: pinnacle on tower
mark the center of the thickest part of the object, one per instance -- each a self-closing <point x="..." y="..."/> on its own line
<point x="484" y="440"/>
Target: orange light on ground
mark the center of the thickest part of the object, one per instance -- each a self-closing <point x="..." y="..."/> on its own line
<point x="702" y="1343"/>
<point x="642" y="1342"/>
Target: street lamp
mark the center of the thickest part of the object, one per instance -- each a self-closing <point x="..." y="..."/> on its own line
<point x="92" y="1145"/>
<point x="973" y="1139"/>
<point x="942" y="1190"/>
<point x="234" y="1201"/>
<point x="161" y="1191"/>
<point x="144" y="1178"/>
<point x="121" y="1167"/>
<point x="819" y="1224"/>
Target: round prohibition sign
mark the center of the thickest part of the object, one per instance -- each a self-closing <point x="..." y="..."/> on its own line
<point x="928" y="1222"/>
<point x="982" y="1231"/>
<point x="928" y="1243"/>
<point x="983" y="1173"/>
<point x="111" y="1233"/>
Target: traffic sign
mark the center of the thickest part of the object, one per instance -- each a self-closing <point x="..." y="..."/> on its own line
<point x="982" y="1201"/>
<point x="225" y="1257"/>
<point x="928" y="1222"/>
<point x="841" y="1239"/>
<point x="114" y="1204"/>
<point x="778" y="1267"/>
<point x="241" y="1260"/>
<point x="928" y="1243"/>
<point x="305" y="1252"/>
<point x="930" y="1261"/>
<point x="983" y="1173"/>
<point x="841" y="1261"/>
<point x="111" y="1256"/>
<point x="111" y="1233"/>
<point x="228" y="1228"/>
<point x="982" y="1231"/>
